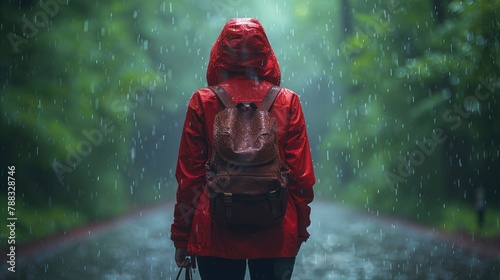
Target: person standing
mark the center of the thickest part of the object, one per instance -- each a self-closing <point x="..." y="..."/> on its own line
<point x="243" y="63"/>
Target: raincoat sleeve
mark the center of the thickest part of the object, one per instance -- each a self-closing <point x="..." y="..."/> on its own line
<point x="190" y="171"/>
<point x="298" y="158"/>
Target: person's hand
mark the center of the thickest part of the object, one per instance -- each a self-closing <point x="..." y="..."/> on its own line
<point x="182" y="259"/>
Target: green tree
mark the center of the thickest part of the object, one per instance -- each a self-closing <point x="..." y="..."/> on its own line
<point x="408" y="149"/>
<point x="94" y="94"/>
<point x="84" y="86"/>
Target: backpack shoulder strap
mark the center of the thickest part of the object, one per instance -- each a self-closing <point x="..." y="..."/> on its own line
<point x="223" y="96"/>
<point x="268" y="100"/>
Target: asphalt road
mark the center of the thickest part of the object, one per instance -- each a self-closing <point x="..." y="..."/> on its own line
<point x="343" y="245"/>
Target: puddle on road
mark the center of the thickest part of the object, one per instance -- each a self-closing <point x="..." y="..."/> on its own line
<point x="343" y="245"/>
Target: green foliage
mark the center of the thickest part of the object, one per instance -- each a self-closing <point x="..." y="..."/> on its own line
<point x="93" y="99"/>
<point x="421" y="108"/>
<point x="94" y="94"/>
<point x="78" y="92"/>
<point x="44" y="221"/>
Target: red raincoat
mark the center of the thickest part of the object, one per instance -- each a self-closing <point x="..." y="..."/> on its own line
<point x="243" y="62"/>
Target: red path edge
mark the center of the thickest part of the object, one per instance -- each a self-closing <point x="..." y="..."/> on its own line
<point x="42" y="245"/>
<point x="489" y="247"/>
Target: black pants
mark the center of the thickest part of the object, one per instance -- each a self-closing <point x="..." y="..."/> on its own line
<point x="212" y="268"/>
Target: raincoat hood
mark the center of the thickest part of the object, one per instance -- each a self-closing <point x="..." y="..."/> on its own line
<point x="242" y="49"/>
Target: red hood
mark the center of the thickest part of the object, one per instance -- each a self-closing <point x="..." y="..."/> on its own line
<point x="242" y="49"/>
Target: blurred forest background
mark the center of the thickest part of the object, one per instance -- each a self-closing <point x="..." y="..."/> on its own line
<point x="401" y="99"/>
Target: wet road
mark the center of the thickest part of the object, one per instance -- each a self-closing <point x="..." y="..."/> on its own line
<point x="344" y="245"/>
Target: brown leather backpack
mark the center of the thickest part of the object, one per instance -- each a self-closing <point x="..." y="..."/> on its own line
<point x="246" y="179"/>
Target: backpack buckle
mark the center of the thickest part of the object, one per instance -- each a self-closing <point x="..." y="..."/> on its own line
<point x="272" y="201"/>
<point x="228" y="201"/>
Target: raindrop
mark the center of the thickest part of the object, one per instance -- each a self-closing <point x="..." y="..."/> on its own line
<point x="454" y="80"/>
<point x="446" y="93"/>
